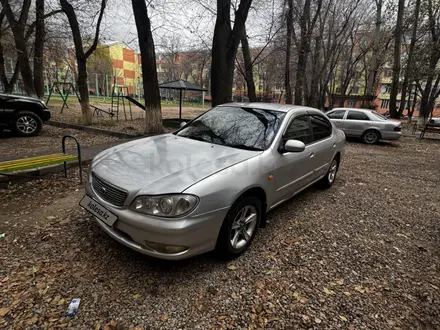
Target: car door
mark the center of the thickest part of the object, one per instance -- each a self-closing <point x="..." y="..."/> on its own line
<point x="356" y="123"/>
<point x="337" y="117"/>
<point x="322" y="145"/>
<point x="293" y="169"/>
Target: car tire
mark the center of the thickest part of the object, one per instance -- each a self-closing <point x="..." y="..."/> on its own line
<point x="330" y="177"/>
<point x="371" y="137"/>
<point x="27" y="123"/>
<point x="236" y="235"/>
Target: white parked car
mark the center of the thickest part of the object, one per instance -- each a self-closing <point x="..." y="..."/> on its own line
<point x="365" y="124"/>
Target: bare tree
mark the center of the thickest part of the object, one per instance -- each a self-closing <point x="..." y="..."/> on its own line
<point x="153" y="114"/>
<point x="289" y="36"/>
<point x="410" y="60"/>
<point x="374" y="62"/>
<point x="396" y="64"/>
<point x="224" y="48"/>
<point x="81" y="54"/>
<point x="248" y="68"/>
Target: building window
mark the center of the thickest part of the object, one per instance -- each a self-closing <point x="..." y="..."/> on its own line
<point x="354" y="90"/>
<point x="384" y="104"/>
<point x="351" y="103"/>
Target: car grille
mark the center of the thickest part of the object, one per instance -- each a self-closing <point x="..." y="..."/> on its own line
<point x="107" y="192"/>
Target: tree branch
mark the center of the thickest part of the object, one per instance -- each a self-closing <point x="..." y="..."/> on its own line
<point x="98" y="26"/>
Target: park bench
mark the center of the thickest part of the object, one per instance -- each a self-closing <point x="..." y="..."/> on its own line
<point x="18" y="165"/>
<point x="429" y="127"/>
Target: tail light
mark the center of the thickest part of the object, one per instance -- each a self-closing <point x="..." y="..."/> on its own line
<point x="398" y="128"/>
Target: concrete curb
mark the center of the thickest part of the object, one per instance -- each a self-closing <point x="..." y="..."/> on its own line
<point x="93" y="129"/>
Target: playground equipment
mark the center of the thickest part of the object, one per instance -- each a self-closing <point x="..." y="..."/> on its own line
<point x="67" y="88"/>
<point x="119" y="94"/>
<point x="64" y="89"/>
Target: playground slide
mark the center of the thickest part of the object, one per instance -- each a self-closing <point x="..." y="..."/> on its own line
<point x="132" y="100"/>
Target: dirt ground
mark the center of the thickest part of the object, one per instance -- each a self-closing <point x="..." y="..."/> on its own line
<point x="125" y="123"/>
<point x="363" y="255"/>
<point x="49" y="141"/>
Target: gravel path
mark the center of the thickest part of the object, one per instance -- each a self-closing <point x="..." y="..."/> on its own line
<point x="363" y="255"/>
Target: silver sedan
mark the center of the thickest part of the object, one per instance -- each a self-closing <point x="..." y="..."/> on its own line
<point x="209" y="185"/>
<point x="367" y="125"/>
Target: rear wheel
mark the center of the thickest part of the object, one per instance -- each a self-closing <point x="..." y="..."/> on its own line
<point x="27" y="123"/>
<point x="371" y="137"/>
<point x="239" y="227"/>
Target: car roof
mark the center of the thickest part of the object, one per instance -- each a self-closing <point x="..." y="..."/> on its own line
<point x="354" y="109"/>
<point x="268" y="106"/>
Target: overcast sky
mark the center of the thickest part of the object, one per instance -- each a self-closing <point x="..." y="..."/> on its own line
<point x="187" y="23"/>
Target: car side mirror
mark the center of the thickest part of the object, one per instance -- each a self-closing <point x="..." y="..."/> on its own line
<point x="183" y="123"/>
<point x="294" y="146"/>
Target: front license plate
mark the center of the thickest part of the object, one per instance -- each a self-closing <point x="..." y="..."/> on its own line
<point x="98" y="210"/>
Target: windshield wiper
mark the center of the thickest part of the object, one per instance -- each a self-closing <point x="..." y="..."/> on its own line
<point x="245" y="147"/>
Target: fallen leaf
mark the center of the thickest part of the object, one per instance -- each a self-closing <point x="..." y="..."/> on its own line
<point x="110" y="326"/>
<point x="4" y="311"/>
<point x="343" y="318"/>
<point x="347" y="293"/>
<point x="164" y="317"/>
<point x="359" y="288"/>
<point x="340" y="282"/>
<point x="305" y="318"/>
<point x="51" y="217"/>
<point x="2" y="235"/>
<point x="327" y="291"/>
<point x="219" y="318"/>
<point x="32" y="320"/>
<point x="317" y="321"/>
<point x="137" y="296"/>
<point x="232" y="267"/>
<point x="98" y="326"/>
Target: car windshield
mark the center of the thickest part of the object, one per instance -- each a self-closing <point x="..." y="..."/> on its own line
<point x="238" y="127"/>
<point x="378" y="115"/>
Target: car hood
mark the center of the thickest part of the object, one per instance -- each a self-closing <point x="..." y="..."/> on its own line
<point x="164" y="163"/>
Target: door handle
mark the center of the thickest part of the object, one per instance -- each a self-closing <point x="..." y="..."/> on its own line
<point x="334" y="145"/>
<point x="312" y="154"/>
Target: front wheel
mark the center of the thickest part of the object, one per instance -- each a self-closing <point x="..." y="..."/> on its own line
<point x="328" y="180"/>
<point x="239" y="228"/>
<point x="27" y="123"/>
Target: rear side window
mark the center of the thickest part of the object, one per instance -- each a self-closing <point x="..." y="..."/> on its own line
<point x="299" y="129"/>
<point x="321" y="127"/>
<point x="338" y="114"/>
<point x="357" y="115"/>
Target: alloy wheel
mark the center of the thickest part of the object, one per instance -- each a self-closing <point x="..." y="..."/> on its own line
<point x="27" y="124"/>
<point x="243" y="227"/>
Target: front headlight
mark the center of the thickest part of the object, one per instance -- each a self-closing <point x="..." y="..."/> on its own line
<point x="165" y="206"/>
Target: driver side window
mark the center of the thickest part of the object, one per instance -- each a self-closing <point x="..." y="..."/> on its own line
<point x="299" y="129"/>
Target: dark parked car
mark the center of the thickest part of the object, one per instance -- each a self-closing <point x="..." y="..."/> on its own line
<point x="22" y="115"/>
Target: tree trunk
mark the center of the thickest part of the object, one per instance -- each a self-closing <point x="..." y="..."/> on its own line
<point x="396" y="64"/>
<point x="224" y="49"/>
<point x="374" y="66"/>
<point x="18" y="29"/>
<point x="81" y="56"/>
<point x="153" y="114"/>
<point x="409" y="64"/>
<point x="39" y="49"/>
<point x="289" y="22"/>
<point x="413" y="105"/>
<point x="302" y="55"/>
<point x="248" y="68"/>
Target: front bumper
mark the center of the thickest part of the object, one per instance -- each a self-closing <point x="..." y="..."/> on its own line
<point x="196" y="232"/>
<point x="45" y="115"/>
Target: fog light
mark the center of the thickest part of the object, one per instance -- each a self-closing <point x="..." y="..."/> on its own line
<point x="163" y="248"/>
